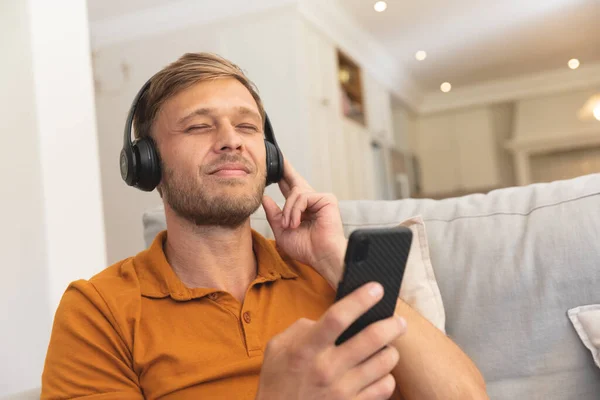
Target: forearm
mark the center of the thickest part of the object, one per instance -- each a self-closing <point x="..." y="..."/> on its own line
<point x="431" y="366"/>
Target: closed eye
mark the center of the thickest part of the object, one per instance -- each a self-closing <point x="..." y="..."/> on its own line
<point x="248" y="127"/>
<point x="196" y="128"/>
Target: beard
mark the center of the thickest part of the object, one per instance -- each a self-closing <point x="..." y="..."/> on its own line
<point x="210" y="203"/>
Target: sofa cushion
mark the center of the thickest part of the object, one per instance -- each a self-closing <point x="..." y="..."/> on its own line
<point x="509" y="265"/>
<point x="586" y="321"/>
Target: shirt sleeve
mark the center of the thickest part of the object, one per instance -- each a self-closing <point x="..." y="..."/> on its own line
<point x="87" y="357"/>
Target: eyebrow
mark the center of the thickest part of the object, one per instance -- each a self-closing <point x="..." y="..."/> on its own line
<point x="204" y="111"/>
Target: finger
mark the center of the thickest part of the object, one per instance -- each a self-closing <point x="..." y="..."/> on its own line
<point x="274" y="215"/>
<point x="285" y="188"/>
<point x="292" y="179"/>
<point x="289" y="205"/>
<point x="311" y="203"/>
<point x="372" y="370"/>
<point x="299" y="207"/>
<point x="370" y="340"/>
<point x="296" y="209"/>
<point x="380" y="390"/>
<point x="343" y="313"/>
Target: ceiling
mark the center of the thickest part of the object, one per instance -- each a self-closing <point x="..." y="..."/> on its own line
<point x="467" y="41"/>
<point x="472" y="41"/>
<point x="103" y="9"/>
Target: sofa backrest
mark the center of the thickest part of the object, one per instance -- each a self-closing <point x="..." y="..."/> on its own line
<point x="509" y="265"/>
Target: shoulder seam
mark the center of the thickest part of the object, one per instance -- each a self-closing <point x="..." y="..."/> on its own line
<point x="114" y="320"/>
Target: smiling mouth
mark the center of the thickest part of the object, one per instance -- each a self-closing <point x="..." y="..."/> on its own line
<point x="225" y="173"/>
<point x="231" y="170"/>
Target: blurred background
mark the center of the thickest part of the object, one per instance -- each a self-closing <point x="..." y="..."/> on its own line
<point x="368" y="99"/>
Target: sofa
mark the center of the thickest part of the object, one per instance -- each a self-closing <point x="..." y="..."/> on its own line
<point x="509" y="265"/>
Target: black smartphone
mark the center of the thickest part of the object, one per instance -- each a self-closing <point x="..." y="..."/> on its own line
<point x="378" y="255"/>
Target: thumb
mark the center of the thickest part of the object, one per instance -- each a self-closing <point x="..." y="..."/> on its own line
<point x="274" y="214"/>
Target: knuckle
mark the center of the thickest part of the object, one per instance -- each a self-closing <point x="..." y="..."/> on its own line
<point x="273" y="344"/>
<point x="388" y="384"/>
<point x="338" y="392"/>
<point x="390" y="358"/>
<point x="303" y="323"/>
<point x="323" y="373"/>
<point x="331" y="198"/>
<point x="375" y="337"/>
<point x="298" y="356"/>
<point x="334" y="321"/>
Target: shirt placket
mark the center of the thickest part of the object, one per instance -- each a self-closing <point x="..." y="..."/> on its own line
<point x="250" y="319"/>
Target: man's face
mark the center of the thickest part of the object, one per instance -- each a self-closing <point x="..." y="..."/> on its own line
<point x="210" y="139"/>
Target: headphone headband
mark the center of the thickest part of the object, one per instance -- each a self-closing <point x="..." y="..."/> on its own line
<point x="131" y="114"/>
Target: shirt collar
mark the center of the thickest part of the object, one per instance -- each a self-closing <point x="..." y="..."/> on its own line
<point x="158" y="280"/>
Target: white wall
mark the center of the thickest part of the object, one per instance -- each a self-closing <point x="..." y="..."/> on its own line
<point x="405" y="126"/>
<point x="464" y="149"/>
<point x="554" y="114"/>
<point x="24" y="291"/>
<point x="51" y="195"/>
<point x="68" y="139"/>
<point x="248" y="41"/>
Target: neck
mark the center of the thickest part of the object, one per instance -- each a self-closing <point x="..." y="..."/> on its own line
<point x="211" y="256"/>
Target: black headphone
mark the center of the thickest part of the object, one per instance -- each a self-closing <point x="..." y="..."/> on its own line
<point x="140" y="163"/>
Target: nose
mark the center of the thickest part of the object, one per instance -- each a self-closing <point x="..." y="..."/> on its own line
<point x="228" y="139"/>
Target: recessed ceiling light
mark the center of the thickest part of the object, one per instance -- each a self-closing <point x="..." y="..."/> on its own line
<point x="574" y="63"/>
<point x="380" y="6"/>
<point x="421" y="55"/>
<point x="597" y="112"/>
<point x="446" y="87"/>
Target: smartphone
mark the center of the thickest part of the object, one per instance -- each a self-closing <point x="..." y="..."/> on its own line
<point x="378" y="255"/>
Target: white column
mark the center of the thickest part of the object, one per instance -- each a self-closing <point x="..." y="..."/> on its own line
<point x="69" y="146"/>
<point x="53" y="229"/>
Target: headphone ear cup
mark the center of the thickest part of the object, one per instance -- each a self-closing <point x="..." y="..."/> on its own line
<point x="274" y="163"/>
<point x="149" y="173"/>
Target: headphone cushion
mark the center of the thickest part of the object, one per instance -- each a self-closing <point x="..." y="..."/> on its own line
<point x="148" y="167"/>
<point x="274" y="163"/>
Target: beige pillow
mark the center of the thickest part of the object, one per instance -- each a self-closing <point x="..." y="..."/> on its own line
<point x="419" y="287"/>
<point x="586" y="320"/>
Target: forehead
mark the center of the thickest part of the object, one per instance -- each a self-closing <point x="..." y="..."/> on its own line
<point x="219" y="94"/>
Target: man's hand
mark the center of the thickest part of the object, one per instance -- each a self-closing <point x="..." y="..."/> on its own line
<point x="303" y="362"/>
<point x="309" y="228"/>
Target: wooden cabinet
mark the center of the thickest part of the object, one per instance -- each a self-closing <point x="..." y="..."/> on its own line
<point x="379" y="111"/>
<point x="477" y="152"/>
<point x="341" y="152"/>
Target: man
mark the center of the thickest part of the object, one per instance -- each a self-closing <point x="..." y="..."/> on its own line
<point x="212" y="310"/>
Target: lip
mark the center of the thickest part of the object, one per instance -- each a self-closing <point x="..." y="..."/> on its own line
<point x="230" y="169"/>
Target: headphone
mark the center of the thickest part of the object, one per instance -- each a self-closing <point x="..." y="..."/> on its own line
<point x="140" y="164"/>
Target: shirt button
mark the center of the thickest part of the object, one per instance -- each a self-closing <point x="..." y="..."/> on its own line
<point x="247" y="317"/>
<point x="213" y="296"/>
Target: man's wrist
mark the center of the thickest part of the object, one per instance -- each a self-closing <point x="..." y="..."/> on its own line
<point x="332" y="267"/>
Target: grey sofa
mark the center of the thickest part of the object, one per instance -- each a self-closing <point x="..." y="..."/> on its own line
<point x="509" y="265"/>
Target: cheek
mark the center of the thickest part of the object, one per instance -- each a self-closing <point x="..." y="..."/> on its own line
<point x="185" y="158"/>
<point x="259" y="155"/>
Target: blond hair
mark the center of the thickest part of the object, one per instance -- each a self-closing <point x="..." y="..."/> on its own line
<point x="189" y="69"/>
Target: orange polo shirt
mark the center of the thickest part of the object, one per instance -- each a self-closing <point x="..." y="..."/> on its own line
<point x="135" y="331"/>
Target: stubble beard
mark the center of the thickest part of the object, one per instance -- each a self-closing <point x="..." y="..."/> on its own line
<point x="210" y="204"/>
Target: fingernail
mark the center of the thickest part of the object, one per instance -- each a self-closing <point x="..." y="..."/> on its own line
<point x="401" y="322"/>
<point x="376" y="290"/>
